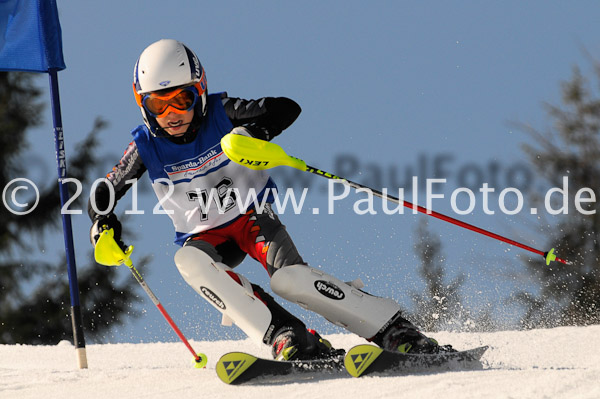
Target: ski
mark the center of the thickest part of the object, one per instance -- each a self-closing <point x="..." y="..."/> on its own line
<point x="237" y="368"/>
<point x="362" y="360"/>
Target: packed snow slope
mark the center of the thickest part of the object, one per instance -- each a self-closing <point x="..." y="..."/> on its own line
<point x="554" y="363"/>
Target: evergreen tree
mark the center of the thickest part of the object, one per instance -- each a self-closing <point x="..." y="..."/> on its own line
<point x="439" y="306"/>
<point x="34" y="295"/>
<point x="570" y="147"/>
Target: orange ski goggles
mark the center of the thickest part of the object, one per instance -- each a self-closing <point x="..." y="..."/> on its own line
<point x="179" y="101"/>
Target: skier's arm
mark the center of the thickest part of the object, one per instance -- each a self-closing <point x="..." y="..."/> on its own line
<point x="265" y="117"/>
<point x="129" y="167"/>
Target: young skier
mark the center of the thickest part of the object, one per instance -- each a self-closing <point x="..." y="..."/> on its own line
<point x="179" y="146"/>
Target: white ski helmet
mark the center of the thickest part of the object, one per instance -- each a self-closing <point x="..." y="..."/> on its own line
<point x="168" y="64"/>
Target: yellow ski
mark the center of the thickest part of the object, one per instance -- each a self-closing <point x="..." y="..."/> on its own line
<point x="362" y="360"/>
<point x="236" y="368"/>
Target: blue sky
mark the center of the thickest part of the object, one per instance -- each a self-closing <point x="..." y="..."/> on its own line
<point x="388" y="85"/>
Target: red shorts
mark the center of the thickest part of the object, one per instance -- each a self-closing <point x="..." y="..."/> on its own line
<point x="260" y="235"/>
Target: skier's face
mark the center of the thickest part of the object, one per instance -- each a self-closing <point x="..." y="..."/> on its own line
<point x="176" y="124"/>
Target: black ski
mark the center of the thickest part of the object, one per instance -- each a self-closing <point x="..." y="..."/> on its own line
<point x="238" y="368"/>
<point x="367" y="359"/>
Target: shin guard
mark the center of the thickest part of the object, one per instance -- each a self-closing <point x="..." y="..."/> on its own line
<point x="337" y="301"/>
<point x="230" y="293"/>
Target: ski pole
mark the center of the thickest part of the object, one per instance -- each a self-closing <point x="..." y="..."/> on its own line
<point x="260" y="155"/>
<point x="199" y="358"/>
<point x="108" y="252"/>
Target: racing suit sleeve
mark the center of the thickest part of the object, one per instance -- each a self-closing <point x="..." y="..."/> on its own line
<point x="265" y="118"/>
<point x="129" y="167"/>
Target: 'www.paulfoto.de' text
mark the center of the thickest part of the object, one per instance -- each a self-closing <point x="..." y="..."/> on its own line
<point x="463" y="200"/>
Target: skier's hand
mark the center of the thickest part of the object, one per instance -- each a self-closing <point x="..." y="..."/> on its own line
<point x="106" y="222"/>
<point x="241" y="130"/>
<point x="253" y="130"/>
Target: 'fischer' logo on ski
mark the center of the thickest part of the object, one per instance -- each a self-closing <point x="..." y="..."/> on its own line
<point x="360" y="360"/>
<point x="231" y="368"/>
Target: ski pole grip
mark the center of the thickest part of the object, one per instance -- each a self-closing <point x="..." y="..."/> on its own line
<point x="108" y="253"/>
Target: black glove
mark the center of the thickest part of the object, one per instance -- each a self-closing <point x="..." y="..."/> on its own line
<point x="106" y="222"/>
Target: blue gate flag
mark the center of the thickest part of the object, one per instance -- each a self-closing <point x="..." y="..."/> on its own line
<point x="30" y="36"/>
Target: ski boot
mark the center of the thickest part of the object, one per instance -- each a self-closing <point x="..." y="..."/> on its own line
<point x="300" y="344"/>
<point x="402" y="336"/>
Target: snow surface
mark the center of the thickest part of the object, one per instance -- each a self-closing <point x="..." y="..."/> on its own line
<point x="554" y="363"/>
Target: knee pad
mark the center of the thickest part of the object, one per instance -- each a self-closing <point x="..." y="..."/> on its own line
<point x="214" y="281"/>
<point x="339" y="302"/>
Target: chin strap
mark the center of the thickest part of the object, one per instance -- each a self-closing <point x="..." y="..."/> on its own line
<point x="187" y="137"/>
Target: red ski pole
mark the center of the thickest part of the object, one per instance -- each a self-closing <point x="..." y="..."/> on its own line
<point x="199" y="358"/>
<point x="107" y="252"/>
<point x="259" y="155"/>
